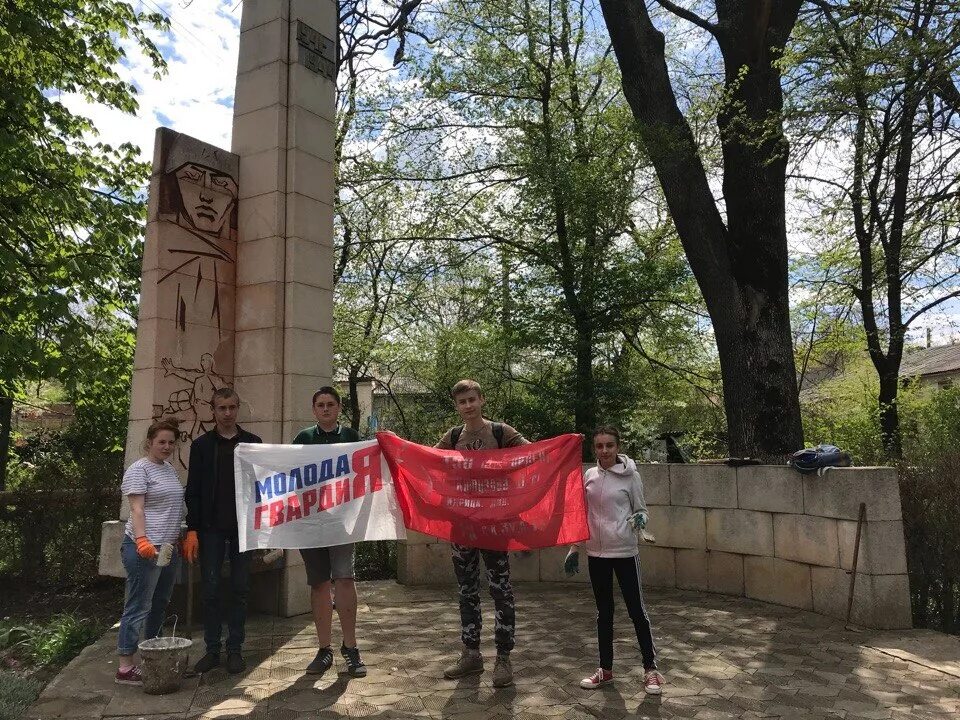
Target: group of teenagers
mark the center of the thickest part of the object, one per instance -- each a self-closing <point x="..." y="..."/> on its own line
<point x="616" y="511"/>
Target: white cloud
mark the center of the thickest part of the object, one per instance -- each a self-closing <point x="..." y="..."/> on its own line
<point x="195" y="96"/>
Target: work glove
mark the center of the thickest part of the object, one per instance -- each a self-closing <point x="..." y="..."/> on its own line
<point x="638" y="521"/>
<point x="190" y="546"/>
<point x="146" y="549"/>
<point x="571" y="565"/>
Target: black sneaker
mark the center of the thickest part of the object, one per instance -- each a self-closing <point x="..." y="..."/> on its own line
<point x="321" y="663"/>
<point x="235" y="663"/>
<point x="207" y="663"/>
<point x="355" y="665"/>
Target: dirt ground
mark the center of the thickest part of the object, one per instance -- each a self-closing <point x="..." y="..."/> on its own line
<point x="100" y="600"/>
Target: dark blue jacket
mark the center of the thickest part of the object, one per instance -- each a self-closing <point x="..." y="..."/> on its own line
<point x="200" y="494"/>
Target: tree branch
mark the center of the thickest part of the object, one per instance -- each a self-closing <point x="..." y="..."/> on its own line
<point x="690" y="17"/>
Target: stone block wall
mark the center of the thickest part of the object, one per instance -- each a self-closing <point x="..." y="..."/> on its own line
<point x="763" y="532"/>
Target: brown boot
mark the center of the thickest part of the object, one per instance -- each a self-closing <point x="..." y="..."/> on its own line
<point x="470" y="663"/>
<point x="502" y="672"/>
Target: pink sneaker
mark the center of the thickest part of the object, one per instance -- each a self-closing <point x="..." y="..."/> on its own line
<point x="598" y="679"/>
<point x="130" y="676"/>
<point x="652" y="682"/>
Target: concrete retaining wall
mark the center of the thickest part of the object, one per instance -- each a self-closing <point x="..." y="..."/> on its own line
<point x="764" y="532"/>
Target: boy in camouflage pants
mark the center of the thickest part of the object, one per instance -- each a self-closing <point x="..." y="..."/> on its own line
<point x="477" y="433"/>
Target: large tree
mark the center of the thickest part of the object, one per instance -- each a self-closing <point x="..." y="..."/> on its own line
<point x="736" y="248"/>
<point x="71" y="207"/>
<point x="875" y="93"/>
<point x="525" y="132"/>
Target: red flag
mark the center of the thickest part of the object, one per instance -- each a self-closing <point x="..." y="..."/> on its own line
<point x="512" y="499"/>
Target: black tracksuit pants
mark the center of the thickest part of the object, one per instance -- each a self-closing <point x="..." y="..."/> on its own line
<point x="627" y="570"/>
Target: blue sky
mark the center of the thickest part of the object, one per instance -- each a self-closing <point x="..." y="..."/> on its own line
<point x="196" y="94"/>
<point x="195" y="97"/>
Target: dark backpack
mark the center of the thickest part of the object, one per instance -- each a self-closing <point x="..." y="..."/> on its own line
<point x="815" y="459"/>
<point x="497" y="434"/>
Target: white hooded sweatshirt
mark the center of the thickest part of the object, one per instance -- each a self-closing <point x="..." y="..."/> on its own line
<point x="613" y="495"/>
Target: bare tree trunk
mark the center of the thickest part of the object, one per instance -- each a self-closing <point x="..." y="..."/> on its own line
<point x="354" y="399"/>
<point x="890" y="411"/>
<point x="740" y="266"/>
<point x="585" y="407"/>
<point x="6" y="416"/>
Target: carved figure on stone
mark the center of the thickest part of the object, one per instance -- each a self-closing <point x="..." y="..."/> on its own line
<point x="191" y="404"/>
<point x="201" y="201"/>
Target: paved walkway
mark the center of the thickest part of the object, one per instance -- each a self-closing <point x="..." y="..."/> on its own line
<point x="723" y="658"/>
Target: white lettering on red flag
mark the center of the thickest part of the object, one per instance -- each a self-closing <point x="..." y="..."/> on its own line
<point x="518" y="498"/>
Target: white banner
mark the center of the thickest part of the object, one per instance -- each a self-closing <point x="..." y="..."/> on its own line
<point x="304" y="496"/>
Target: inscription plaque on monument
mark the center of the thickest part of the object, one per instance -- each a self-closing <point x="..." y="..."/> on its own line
<point x="317" y="52"/>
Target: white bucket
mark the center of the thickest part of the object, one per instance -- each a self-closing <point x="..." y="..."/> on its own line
<point x="165" y="661"/>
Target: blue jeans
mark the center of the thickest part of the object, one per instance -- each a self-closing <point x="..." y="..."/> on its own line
<point x="214" y="546"/>
<point x="148" y="591"/>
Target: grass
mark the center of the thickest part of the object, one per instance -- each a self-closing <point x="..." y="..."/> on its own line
<point x="17" y="692"/>
<point x="52" y="643"/>
<point x="32" y="650"/>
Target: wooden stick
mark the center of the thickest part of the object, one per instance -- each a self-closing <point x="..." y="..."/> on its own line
<point x="856" y="555"/>
<point x="189" y="632"/>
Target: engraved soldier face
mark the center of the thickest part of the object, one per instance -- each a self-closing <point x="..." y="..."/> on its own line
<point x="207" y="195"/>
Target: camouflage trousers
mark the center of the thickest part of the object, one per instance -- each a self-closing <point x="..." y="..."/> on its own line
<point x="466" y="565"/>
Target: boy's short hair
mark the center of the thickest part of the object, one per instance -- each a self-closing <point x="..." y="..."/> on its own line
<point x="327" y="390"/>
<point x="224" y="393"/>
<point x="465" y="386"/>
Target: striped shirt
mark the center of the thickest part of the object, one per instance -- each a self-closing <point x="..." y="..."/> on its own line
<point x="162" y="501"/>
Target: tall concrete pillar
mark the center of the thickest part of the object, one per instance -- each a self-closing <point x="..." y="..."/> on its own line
<point x="185" y="325"/>
<point x="238" y="261"/>
<point x="283" y="132"/>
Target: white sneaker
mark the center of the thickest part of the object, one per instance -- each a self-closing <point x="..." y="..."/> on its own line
<point x="653" y="681"/>
<point x="600" y="678"/>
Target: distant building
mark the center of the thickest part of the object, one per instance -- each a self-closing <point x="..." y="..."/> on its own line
<point x="378" y="399"/>
<point x="28" y="419"/>
<point x="936" y="366"/>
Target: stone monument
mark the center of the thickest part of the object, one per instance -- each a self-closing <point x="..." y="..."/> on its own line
<point x="237" y="271"/>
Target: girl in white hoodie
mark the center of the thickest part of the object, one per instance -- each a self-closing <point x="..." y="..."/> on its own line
<point x="615" y="512"/>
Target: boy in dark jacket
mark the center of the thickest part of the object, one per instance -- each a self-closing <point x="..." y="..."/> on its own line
<point x="212" y="529"/>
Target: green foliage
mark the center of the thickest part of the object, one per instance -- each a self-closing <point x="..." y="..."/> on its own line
<point x="61" y="639"/>
<point x="17" y="692"/>
<point x="843" y="411"/>
<point x="873" y="113"/>
<point x="53" y="643"/>
<point x="71" y="207"/>
<point x="376" y="560"/>
<point x="68" y="458"/>
<point x="505" y="231"/>
<point x="73" y="488"/>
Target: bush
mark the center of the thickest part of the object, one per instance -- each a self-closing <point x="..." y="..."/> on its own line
<point x="376" y="560"/>
<point x="931" y="517"/>
<point x="62" y="639"/>
<point x="845" y="413"/>
<point x="61" y="491"/>
<point x="53" y="643"/>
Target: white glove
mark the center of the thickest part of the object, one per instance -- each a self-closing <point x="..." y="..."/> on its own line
<point x="638" y="521"/>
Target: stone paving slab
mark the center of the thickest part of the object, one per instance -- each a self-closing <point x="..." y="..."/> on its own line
<point x="723" y="658"/>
